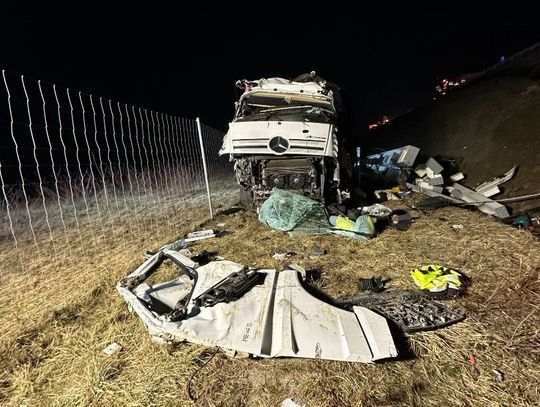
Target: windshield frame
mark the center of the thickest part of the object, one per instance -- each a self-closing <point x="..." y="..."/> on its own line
<point x="305" y="101"/>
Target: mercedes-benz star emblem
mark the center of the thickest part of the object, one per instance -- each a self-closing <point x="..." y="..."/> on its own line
<point x="278" y="144"/>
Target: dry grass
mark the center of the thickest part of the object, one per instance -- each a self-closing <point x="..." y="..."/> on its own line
<point x="57" y="319"/>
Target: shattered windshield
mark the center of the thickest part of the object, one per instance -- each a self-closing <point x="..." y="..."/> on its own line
<point x="286" y="107"/>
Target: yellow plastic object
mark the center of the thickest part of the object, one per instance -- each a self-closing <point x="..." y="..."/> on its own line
<point x="344" y="223"/>
<point x="435" y="277"/>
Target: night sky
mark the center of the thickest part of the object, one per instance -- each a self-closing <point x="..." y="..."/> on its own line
<point x="386" y="57"/>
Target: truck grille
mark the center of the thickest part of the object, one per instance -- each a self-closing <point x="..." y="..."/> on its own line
<point x="297" y="146"/>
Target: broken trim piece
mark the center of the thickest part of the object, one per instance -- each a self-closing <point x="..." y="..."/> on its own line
<point x="490" y="185"/>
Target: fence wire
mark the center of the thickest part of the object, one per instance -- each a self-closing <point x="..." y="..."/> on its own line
<point x="78" y="169"/>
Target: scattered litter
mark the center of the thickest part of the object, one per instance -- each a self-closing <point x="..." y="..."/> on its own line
<point x="436" y="279"/>
<point x="275" y="318"/>
<point x="220" y="225"/>
<point x="483" y="203"/>
<point x="490" y="185"/>
<point x="204" y="257"/>
<point x="457" y="227"/>
<point x="363" y="228"/>
<point x="522" y="221"/>
<point x="401" y="219"/>
<point x="199" y="235"/>
<point x="373" y="284"/>
<point x="458" y="176"/>
<point x="433" y="168"/>
<point x="385" y="195"/>
<point x="390" y="164"/>
<point x="377" y="210"/>
<point x="281" y="255"/>
<point x="112" y="348"/>
<point x="498" y="374"/>
<point x="291" y="403"/>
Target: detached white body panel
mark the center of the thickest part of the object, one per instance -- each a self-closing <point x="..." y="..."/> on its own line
<point x="277" y="318"/>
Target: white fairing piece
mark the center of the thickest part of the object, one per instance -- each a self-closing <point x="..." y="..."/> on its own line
<point x="275" y="318"/>
<point x="301" y="138"/>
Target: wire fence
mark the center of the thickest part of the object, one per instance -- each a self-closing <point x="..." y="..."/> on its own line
<point x="78" y="169"/>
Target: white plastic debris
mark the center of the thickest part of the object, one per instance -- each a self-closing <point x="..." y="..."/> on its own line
<point x="112" y="348"/>
<point x="433" y="167"/>
<point x="457" y="227"/>
<point x="276" y="318"/>
<point x="436" y="180"/>
<point x="282" y="255"/>
<point x="200" y="234"/>
<point x="220" y="225"/>
<point x="486" y="186"/>
<point x="288" y="402"/>
<point x="458" y="176"/>
<point x="377" y="210"/>
<point x="384" y="194"/>
<point x="498" y="374"/>
<point x="484" y="204"/>
<point x="487" y="192"/>
<point x="420" y="170"/>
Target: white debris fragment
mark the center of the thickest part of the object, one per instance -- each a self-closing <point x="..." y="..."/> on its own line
<point x="494" y="190"/>
<point x="457" y="227"/>
<point x="377" y="210"/>
<point x="496" y="181"/>
<point x="433" y="167"/>
<point x="220" y="225"/>
<point x="200" y="233"/>
<point x="282" y="255"/>
<point x="112" y="348"/>
<point x="420" y="170"/>
<point x="288" y="402"/>
<point x="498" y="374"/>
<point x="484" y="204"/>
<point x="458" y="176"/>
<point x="436" y="180"/>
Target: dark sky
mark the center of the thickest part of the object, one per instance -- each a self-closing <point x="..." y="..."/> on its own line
<point x="185" y="61"/>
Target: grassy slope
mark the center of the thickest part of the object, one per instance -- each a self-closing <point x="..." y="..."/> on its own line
<point x="487" y="126"/>
<point x="57" y="320"/>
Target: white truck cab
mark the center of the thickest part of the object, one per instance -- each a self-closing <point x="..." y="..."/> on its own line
<point x="284" y="135"/>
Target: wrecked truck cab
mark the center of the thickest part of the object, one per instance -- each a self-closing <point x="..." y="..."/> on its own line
<point x="284" y="135"/>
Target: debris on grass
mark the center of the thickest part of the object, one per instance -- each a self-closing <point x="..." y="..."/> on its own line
<point x="112" y="348"/>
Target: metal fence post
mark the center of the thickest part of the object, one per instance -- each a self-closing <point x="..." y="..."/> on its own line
<point x="204" y="167"/>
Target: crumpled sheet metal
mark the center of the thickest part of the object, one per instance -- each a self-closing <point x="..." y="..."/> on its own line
<point x="277" y="318"/>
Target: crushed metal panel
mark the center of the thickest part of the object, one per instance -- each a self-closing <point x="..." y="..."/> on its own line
<point x="488" y="186"/>
<point x="483" y="203"/>
<point x="431" y="192"/>
<point x="275" y="318"/>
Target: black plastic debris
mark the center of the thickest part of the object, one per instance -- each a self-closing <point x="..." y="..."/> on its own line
<point x="409" y="311"/>
<point x="373" y="284"/>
